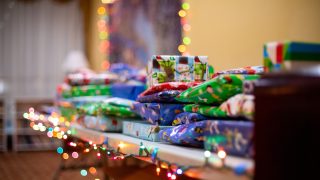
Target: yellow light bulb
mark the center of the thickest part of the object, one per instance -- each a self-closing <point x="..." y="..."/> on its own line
<point x="182" y="13"/>
<point x="101" y="10"/>
<point x="182" y="48"/>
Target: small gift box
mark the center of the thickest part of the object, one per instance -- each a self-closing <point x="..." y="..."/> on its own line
<point x="290" y="55"/>
<point x="143" y="130"/>
<point x="166" y="68"/>
<point x="157" y="113"/>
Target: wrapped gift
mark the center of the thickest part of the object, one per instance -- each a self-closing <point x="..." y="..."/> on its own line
<point x="142" y="130"/>
<point x="245" y="70"/>
<point x="177" y="69"/>
<point x="290" y="55"/>
<point x="90" y="90"/>
<point x="240" y="105"/>
<point x="76" y="79"/>
<point x="179" y="86"/>
<point x="160" y="97"/>
<point x="103" y="123"/>
<point x="185" y="134"/>
<point x="111" y="107"/>
<point x="234" y="136"/>
<point x="217" y="90"/>
<point x="187" y="118"/>
<point x="127" y="91"/>
<point x="206" y="110"/>
<point x="248" y="86"/>
<point x="157" y="113"/>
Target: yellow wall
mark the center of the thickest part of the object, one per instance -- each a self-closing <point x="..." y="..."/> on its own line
<point x="232" y="32"/>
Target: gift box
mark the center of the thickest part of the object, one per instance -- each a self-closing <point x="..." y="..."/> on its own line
<point x="103" y="123"/>
<point x="79" y="79"/>
<point x="187" y="118"/>
<point x="142" y="130"/>
<point x="111" y="107"/>
<point x="245" y="70"/>
<point x="235" y="137"/>
<point x="127" y="91"/>
<point x="169" y="86"/>
<point x="206" y="110"/>
<point x="157" y="113"/>
<point x="177" y="69"/>
<point x="290" y="55"/>
<point x="217" y="90"/>
<point x="160" y="97"/>
<point x="90" y="90"/>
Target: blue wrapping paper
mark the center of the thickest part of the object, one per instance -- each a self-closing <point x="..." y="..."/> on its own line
<point x="160" y="97"/>
<point x="157" y="113"/>
<point x="187" y="118"/>
<point x="142" y="130"/>
<point x="126" y="91"/>
<point x="235" y="136"/>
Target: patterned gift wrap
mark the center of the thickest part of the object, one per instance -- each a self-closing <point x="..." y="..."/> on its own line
<point x="290" y="55"/>
<point x="80" y="79"/>
<point x="217" y="90"/>
<point x="248" y="86"/>
<point x="240" y="105"/>
<point x="102" y="123"/>
<point x="206" y="110"/>
<point x="234" y="136"/>
<point x="111" y="107"/>
<point x="180" y="86"/>
<point x="90" y="90"/>
<point x="160" y="97"/>
<point x="67" y="110"/>
<point x="166" y="68"/>
<point x="143" y="130"/>
<point x="187" y="118"/>
<point x="245" y="70"/>
<point x="158" y="113"/>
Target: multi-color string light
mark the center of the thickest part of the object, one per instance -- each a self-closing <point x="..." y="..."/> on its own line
<point x="103" y="31"/>
<point x="186" y="27"/>
<point x="57" y="127"/>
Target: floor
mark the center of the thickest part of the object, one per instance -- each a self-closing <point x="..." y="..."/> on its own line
<point x="36" y="165"/>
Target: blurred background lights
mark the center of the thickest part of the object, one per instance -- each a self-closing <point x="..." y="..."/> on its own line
<point x="83" y="172"/>
<point x="59" y="150"/>
<point x="75" y="155"/>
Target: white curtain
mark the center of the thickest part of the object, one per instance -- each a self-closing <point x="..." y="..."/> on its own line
<point x="35" y="38"/>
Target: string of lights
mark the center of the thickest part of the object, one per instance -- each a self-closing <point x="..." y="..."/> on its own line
<point x="57" y="127"/>
<point x="186" y="27"/>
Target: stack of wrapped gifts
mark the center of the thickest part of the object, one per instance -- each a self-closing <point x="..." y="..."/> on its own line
<point x="100" y="101"/>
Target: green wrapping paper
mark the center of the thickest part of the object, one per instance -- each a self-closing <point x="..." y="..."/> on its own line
<point x="217" y="90"/>
<point x="206" y="110"/>
<point x="92" y="109"/>
<point x="110" y="107"/>
<point x="90" y="90"/>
